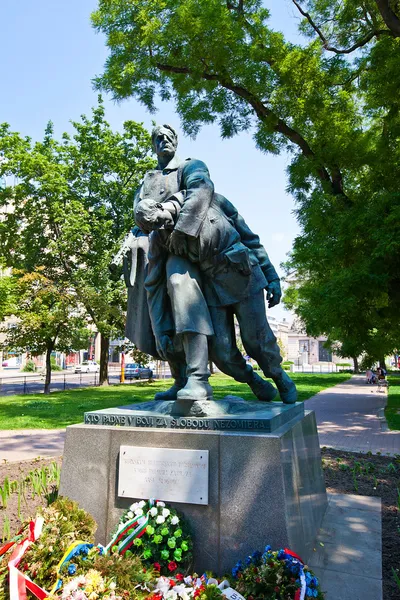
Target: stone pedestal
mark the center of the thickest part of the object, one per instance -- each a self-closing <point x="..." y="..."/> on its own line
<point x="265" y="487"/>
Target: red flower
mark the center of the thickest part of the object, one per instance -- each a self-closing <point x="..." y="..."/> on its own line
<point x="172" y="583"/>
<point x="198" y="591"/>
<point x="276" y="589"/>
<point x="172" y="566"/>
<point x="179" y="576"/>
<point x="157" y="566"/>
<point x="258" y="579"/>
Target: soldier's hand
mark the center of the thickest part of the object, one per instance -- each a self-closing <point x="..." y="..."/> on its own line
<point x="164" y="346"/>
<point x="177" y="243"/>
<point x="274" y="293"/>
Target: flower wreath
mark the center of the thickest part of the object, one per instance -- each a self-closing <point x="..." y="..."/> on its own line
<point x="275" y="575"/>
<point x="158" y="534"/>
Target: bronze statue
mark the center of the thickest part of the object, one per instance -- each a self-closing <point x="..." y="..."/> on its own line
<point x="200" y="266"/>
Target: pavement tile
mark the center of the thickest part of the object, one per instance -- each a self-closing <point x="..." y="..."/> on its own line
<point x="352" y="557"/>
<point x="353" y="519"/>
<point x="347" y="418"/>
<point x="345" y="586"/>
<point x="353" y="501"/>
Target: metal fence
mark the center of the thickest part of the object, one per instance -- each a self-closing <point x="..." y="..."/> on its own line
<point x="34" y="383"/>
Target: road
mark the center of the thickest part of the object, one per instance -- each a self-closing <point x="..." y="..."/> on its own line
<point x="29" y="383"/>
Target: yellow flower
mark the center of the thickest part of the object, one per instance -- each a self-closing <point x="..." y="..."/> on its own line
<point x="94" y="581"/>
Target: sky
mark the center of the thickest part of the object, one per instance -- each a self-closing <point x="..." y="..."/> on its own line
<point x="49" y="54"/>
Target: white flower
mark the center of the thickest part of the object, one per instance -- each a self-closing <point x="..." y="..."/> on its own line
<point x="166" y="512"/>
<point x="188" y="579"/>
<point x="171" y="595"/>
<point x="129" y="514"/>
<point x="134" y="506"/>
<point x="142" y="503"/>
<point x="113" y="585"/>
<point x="153" y="511"/>
<point x="183" y="592"/>
<point x="163" y="585"/>
<point x="160" y="519"/>
<point x="138" y="512"/>
<point x="175" y="520"/>
<point x="162" y="504"/>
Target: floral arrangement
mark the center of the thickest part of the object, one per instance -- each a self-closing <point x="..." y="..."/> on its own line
<point x="187" y="588"/>
<point x="147" y="559"/>
<point x="91" y="585"/>
<point x="64" y="523"/>
<point x="159" y="535"/>
<point x="279" y="575"/>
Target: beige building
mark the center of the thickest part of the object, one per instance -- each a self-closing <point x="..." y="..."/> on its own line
<point x="306" y="351"/>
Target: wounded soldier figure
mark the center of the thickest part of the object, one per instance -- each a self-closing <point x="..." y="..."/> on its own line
<point x="234" y="271"/>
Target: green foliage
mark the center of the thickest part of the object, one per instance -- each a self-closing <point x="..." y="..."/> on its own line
<point x="74" y="198"/>
<point x="273" y="576"/>
<point x="335" y="110"/>
<point x="54" y="365"/>
<point x="166" y="541"/>
<point x="31" y="411"/>
<point x="7" y="294"/>
<point x="64" y="523"/>
<point x="132" y="580"/>
<point x="392" y="409"/>
<point x="47" y="318"/>
<point x="29" y="367"/>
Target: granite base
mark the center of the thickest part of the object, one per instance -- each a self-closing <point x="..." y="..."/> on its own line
<point x="264" y="488"/>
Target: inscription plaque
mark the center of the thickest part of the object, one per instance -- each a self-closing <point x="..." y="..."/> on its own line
<point x="166" y="474"/>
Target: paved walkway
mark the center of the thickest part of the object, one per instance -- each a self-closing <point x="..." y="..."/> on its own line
<point x="347" y="558"/>
<point x="26" y="444"/>
<point x="347" y="418"/>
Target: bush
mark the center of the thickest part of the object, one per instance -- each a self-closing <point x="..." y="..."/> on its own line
<point x="54" y="365"/>
<point x="29" y="367"/>
<point x="343" y="364"/>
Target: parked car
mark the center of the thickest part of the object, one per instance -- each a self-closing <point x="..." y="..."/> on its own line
<point x="88" y="366"/>
<point x="12" y="362"/>
<point x="136" y="371"/>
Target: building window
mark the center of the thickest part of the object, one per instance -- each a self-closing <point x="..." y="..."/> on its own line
<point x="303" y="345"/>
<point x="325" y="355"/>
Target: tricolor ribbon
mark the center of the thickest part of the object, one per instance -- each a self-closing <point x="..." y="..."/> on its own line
<point x="70" y="552"/>
<point x="19" y="582"/>
<point x="135" y="527"/>
<point x="300" y="593"/>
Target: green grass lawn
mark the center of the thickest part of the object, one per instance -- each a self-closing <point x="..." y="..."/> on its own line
<point x="59" y="409"/>
<point x="392" y="410"/>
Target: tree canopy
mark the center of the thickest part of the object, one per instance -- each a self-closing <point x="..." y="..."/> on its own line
<point x="331" y="102"/>
<point x="71" y="207"/>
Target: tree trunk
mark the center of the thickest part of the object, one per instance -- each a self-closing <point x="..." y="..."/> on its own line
<point x="104" y="351"/>
<point x="47" y="379"/>
<point x="356" y="367"/>
<point x="382" y="363"/>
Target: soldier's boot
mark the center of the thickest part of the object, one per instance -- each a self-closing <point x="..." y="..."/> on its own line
<point x="178" y="372"/>
<point x="286" y="387"/>
<point x="262" y="389"/>
<point x="196" y="353"/>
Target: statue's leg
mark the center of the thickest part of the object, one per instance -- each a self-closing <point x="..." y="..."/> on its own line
<point x="192" y="324"/>
<point x="226" y="355"/>
<point x="260" y="343"/>
<point x="177" y="365"/>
